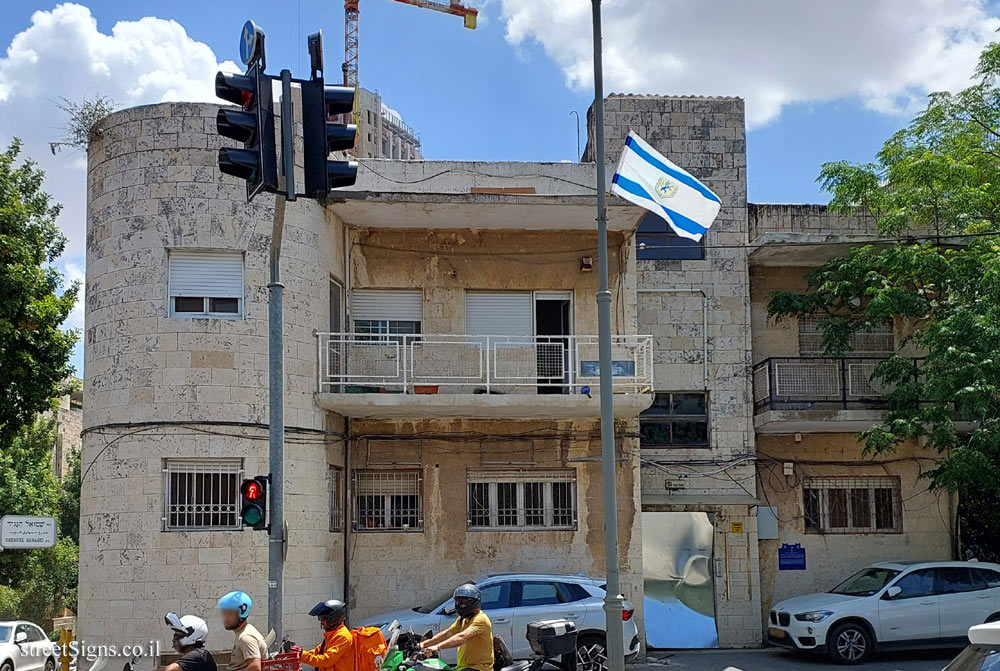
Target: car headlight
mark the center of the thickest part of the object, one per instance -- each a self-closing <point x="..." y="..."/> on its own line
<point x="813" y="616"/>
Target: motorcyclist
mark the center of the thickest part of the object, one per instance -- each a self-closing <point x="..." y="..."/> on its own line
<point x="249" y="648"/>
<point x="471" y="633"/>
<point x="336" y="652"/>
<point x="190" y="633"/>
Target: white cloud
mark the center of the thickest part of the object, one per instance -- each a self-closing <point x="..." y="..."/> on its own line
<point x="887" y="53"/>
<point x="62" y="54"/>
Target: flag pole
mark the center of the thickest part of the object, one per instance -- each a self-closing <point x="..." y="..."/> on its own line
<point x="612" y="601"/>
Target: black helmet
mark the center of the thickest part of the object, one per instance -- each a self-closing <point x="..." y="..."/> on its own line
<point x="333" y="611"/>
<point x="468" y="598"/>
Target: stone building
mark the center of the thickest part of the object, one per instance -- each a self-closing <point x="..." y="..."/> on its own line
<point x="69" y="423"/>
<point x="382" y="133"/>
<point x="441" y="392"/>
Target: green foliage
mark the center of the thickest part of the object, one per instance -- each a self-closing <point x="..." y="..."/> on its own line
<point x="34" y="349"/>
<point x="36" y="583"/>
<point x="940" y="176"/>
<point x="69" y="508"/>
<point x="81" y="119"/>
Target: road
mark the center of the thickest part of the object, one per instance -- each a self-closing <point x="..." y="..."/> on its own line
<point x="782" y="660"/>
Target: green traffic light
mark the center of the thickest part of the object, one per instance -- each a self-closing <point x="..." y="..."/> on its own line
<point x="252" y="516"/>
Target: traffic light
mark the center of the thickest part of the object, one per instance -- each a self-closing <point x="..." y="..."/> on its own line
<point x="253" y="510"/>
<point x="321" y="105"/>
<point x="253" y="125"/>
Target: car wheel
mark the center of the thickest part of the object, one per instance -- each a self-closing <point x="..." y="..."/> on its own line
<point x="995" y="617"/>
<point x="50" y="664"/>
<point x="7" y="666"/>
<point x="591" y="654"/>
<point x="850" y="643"/>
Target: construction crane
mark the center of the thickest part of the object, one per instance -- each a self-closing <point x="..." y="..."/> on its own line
<point x="351" y="12"/>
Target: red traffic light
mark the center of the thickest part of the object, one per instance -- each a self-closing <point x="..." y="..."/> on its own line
<point x="236" y="88"/>
<point x="252" y="491"/>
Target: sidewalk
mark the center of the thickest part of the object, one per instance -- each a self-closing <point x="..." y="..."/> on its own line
<point x="771" y="659"/>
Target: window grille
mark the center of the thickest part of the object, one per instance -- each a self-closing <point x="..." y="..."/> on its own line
<point x="880" y="340"/>
<point x="336" y="499"/>
<point x="850" y="505"/>
<point x="388" y="500"/>
<point x="202" y="494"/>
<point x="521" y="500"/>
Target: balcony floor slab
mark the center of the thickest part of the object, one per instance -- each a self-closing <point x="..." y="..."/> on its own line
<point x="479" y="406"/>
<point x="816" y="421"/>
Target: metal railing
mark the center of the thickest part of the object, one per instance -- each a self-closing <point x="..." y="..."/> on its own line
<point x="473" y="364"/>
<point x="804" y="383"/>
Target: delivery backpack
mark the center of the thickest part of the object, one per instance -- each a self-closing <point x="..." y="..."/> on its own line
<point x="369" y="648"/>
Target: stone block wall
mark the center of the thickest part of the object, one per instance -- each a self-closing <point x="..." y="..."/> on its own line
<point x="159" y="386"/>
<point x="814" y="219"/>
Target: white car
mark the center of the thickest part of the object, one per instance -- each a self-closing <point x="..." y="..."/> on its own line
<point x="890" y="605"/>
<point x="513" y="600"/>
<point x="25" y="647"/>
<point x="983" y="653"/>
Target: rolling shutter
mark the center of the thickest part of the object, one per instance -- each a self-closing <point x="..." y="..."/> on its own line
<point x="206" y="274"/>
<point x="386" y="304"/>
<point x="506" y="313"/>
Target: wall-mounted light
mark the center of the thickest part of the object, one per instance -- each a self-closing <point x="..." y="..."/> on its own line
<point x="586" y="264"/>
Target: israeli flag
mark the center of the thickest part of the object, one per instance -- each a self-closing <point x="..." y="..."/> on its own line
<point x="648" y="179"/>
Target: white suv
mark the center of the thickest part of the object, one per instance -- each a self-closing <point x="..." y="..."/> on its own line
<point x="893" y="604"/>
<point x="513" y="600"/>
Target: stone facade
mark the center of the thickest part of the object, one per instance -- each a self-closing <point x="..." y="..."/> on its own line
<point x="69" y="424"/>
<point x="814" y="219"/>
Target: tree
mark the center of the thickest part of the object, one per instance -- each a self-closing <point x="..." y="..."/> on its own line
<point x="69" y="505"/>
<point x="82" y="117"/>
<point x="934" y="180"/>
<point x="34" y="348"/>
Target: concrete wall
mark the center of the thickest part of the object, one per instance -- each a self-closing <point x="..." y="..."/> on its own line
<point x="398" y="570"/>
<point x="816" y="219"/>
<point x="155" y="384"/>
<point x="830" y="558"/>
<point x="695" y="308"/>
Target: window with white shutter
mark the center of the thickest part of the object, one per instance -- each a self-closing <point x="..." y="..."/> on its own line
<point x="384" y="311"/>
<point x="507" y="313"/>
<point x="205" y="284"/>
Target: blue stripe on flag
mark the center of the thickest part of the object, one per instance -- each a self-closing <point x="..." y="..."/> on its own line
<point x="678" y="220"/>
<point x="679" y="176"/>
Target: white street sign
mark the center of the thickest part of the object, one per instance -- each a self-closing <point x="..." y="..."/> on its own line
<point x="18" y="532"/>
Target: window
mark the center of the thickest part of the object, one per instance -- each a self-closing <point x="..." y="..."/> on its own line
<point x="852" y="505"/>
<point x="386" y="311"/>
<point x="538" y="594"/>
<point x="496" y="596"/>
<point x="880" y="341"/>
<point x="336" y="499"/>
<point x="987" y="576"/>
<point x="205" y="284"/>
<point x="202" y="494"/>
<point x="675" y="420"/>
<point x="916" y="584"/>
<point x="522" y="500"/>
<point x="336" y="306"/>
<point x="388" y="500"/>
<point x="656" y="240"/>
<point x="955" y="580"/>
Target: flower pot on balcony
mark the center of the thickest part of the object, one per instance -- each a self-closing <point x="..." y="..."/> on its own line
<point x="425" y="389"/>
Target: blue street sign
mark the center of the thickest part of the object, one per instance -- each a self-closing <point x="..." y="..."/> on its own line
<point x="248" y="42"/>
<point x="791" y="557"/>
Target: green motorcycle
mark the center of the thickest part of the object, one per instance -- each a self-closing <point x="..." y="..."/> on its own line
<point x="403" y="653"/>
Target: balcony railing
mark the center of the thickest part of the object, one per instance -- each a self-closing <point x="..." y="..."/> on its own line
<point x="472" y="364"/>
<point x="806" y="383"/>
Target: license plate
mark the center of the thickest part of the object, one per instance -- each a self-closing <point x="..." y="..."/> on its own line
<point x="776" y="633"/>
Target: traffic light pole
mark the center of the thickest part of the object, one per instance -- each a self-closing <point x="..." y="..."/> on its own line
<point x="275" y="370"/>
<point x="612" y="600"/>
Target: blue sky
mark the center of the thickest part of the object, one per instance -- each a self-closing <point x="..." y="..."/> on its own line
<point x="821" y="82"/>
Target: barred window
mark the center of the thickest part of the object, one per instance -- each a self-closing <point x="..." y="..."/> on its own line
<point x="880" y="340"/>
<point x="849" y="505"/>
<point x="388" y="500"/>
<point x="336" y="499"/>
<point x="202" y="494"/>
<point x="522" y="500"/>
<point x="675" y="420"/>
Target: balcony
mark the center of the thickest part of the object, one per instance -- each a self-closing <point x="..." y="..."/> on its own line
<point x="471" y="376"/>
<point x="816" y="394"/>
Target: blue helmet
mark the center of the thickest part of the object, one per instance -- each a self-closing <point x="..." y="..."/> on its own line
<point x="238" y="601"/>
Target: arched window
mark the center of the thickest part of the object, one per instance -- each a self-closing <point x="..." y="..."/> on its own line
<point x="656" y="240"/>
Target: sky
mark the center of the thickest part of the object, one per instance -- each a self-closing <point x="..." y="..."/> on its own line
<point x="822" y="80"/>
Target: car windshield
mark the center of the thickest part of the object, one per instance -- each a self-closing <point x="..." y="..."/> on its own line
<point x="4" y="633"/>
<point x="977" y="658"/>
<point x="431" y="605"/>
<point x="866" y="582"/>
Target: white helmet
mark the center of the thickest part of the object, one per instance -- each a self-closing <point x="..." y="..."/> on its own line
<point x="188" y="630"/>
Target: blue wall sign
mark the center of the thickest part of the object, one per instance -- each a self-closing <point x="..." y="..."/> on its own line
<point x="791" y="557"/>
<point x="619" y="368"/>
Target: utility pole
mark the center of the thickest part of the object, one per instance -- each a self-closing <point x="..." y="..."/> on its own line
<point x="612" y="598"/>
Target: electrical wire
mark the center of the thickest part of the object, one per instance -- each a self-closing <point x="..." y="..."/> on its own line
<point x="465" y="171"/>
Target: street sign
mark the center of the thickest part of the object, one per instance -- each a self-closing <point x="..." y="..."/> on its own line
<point x="248" y="42"/>
<point x="20" y="532"/>
<point x="791" y="557"/>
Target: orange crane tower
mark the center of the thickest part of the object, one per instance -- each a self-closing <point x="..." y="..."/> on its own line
<point x="351" y="12"/>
